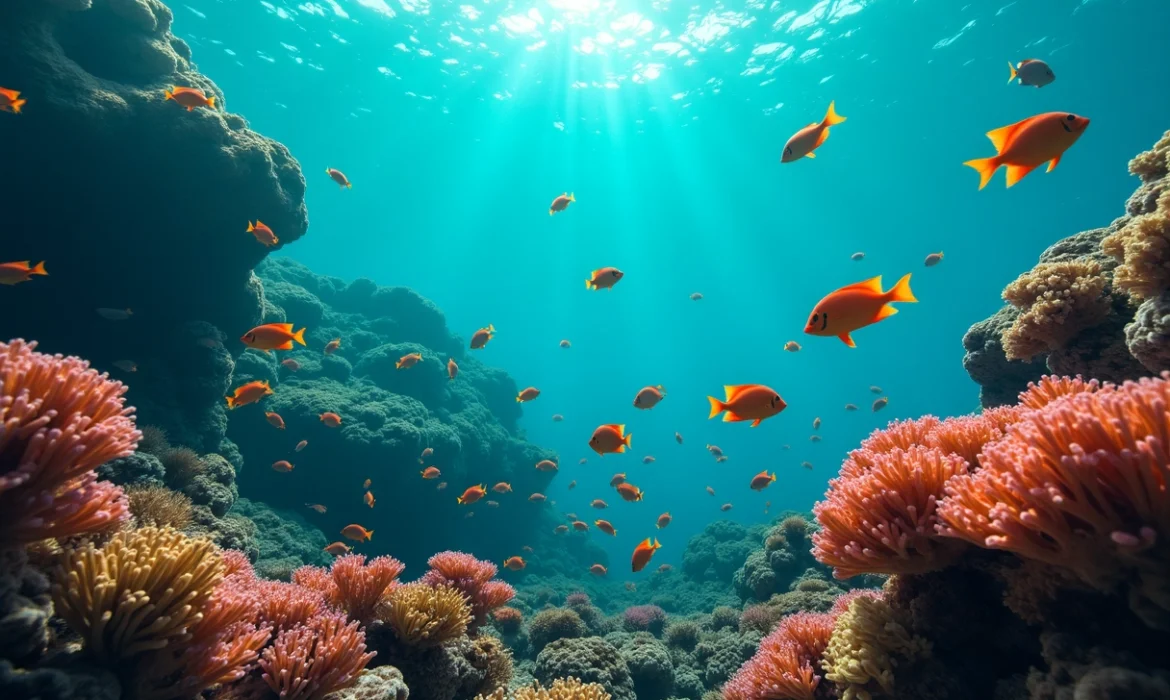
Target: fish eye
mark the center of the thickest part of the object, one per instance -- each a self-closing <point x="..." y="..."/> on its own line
<point x="816" y="317"/>
<point x="1071" y="117"/>
<point x="1049" y="73"/>
<point x="788" y="150"/>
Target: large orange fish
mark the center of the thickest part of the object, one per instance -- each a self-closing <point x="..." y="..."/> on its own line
<point x="408" y="361"/>
<point x="339" y="177"/>
<point x="472" y="494"/>
<point x="358" y="533"/>
<point x="804" y="142"/>
<point x="431" y="473"/>
<point x="1028" y="144"/>
<point x="481" y="337"/>
<point x="856" y="306"/>
<point x="642" y="554"/>
<point x="10" y="101"/>
<point x="604" y="278"/>
<point x="514" y="563"/>
<point x="610" y="438"/>
<point x="190" y="97"/>
<point x="629" y="492"/>
<point x="17" y="272"/>
<point x="753" y="402"/>
<point x="330" y="419"/>
<point x="248" y="393"/>
<point x="273" y="336"/>
<point x="762" y="480"/>
<point x="275" y="420"/>
<point x="262" y="233"/>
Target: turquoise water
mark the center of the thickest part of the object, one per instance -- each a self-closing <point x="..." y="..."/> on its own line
<point x="458" y="125"/>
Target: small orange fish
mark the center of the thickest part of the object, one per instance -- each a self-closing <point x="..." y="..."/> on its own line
<point x="817" y="423"/>
<point x="710" y="490"/>
<point x="275" y="420"/>
<point x="561" y="203"/>
<point x="332" y="346"/>
<point x="856" y="306"/>
<point x="357" y="533"/>
<point x="629" y="492"/>
<point x="514" y="563"/>
<point x="792" y="346"/>
<point x="114" y="314"/>
<point x="753" y="402"/>
<point x="17" y="272"/>
<point x="762" y="480"/>
<point x="527" y="549"/>
<point x="339" y="177"/>
<point x="879" y="404"/>
<point x="527" y="395"/>
<point x="126" y="365"/>
<point x="566" y="344"/>
<point x="580" y="526"/>
<point x="452" y="369"/>
<point x="442" y="485"/>
<point x="426" y="453"/>
<point x="572" y="484"/>
<point x="481" y="337"/>
<point x="537" y="497"/>
<point x="262" y="233"/>
<point x="317" y="507"/>
<point x="804" y="142"/>
<point x="301" y="445"/>
<point x="248" y="393"/>
<point x="617" y="479"/>
<point x="10" y="101"/>
<point x="642" y="554"/>
<point x="502" y="487"/>
<point x="472" y="494"/>
<point x="933" y="259"/>
<point x="189" y="97"/>
<point x="366" y="483"/>
<point x="725" y="507"/>
<point x="605" y="526"/>
<point x="648" y="459"/>
<point x="560" y="529"/>
<point x="273" y="336"/>
<point x="648" y="397"/>
<point x="282" y="466"/>
<point x="609" y="439"/>
<point x="1028" y="144"/>
<point x="408" y="361"/>
<point x="664" y="568"/>
<point x="431" y="473"/>
<point x="331" y="420"/>
<point x="546" y="465"/>
<point x="338" y="548"/>
<point x="599" y="504"/>
<point x="291" y="365"/>
<point x="664" y="520"/>
<point x="604" y="278"/>
<point x="598" y="570"/>
<point x="369" y="499"/>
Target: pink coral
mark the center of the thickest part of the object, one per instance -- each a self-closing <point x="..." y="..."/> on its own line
<point x="578" y="599"/>
<point x="473" y="578"/>
<point x="787" y="664"/>
<point x="309" y="662"/>
<point x="59" y="421"/>
<point x="361" y="585"/>
<point x="964" y="436"/>
<point x="897" y="435"/>
<point x="284" y="605"/>
<point x="644" y="618"/>
<point x="508" y="620"/>
<point x="236" y="563"/>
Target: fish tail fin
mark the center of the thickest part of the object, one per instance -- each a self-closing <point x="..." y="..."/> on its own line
<point x="517" y="398"/>
<point x="491" y="328"/>
<point x="831" y="116"/>
<point x="773" y="477"/>
<point x="251" y="228"/>
<point x="986" y="168"/>
<point x="299" y="336"/>
<point x="459" y="500"/>
<point x="901" y="290"/>
<point x="589" y="284"/>
<point x="572" y="197"/>
<point x="551" y="212"/>
<point x="1012" y="75"/>
<point x="349" y="185"/>
<point x="211" y="102"/>
<point x="16" y="105"/>
<point x="169" y="95"/>
<point x="717" y="407"/>
<point x="370" y="535"/>
<point x="626" y="439"/>
<point x="39" y="269"/>
<point x="231" y="402"/>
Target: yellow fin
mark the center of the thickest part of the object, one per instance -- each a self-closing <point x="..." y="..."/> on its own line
<point x="999" y="137"/>
<point x="1013" y="72"/>
<point x="901" y="290"/>
<point x="717" y="407"/>
<point x="986" y="168"/>
<point x="1015" y="173"/>
<point x="885" y="312"/>
<point x="873" y="284"/>
<point x="1053" y="163"/>
<point x="810" y="154"/>
<point x="831" y="116"/>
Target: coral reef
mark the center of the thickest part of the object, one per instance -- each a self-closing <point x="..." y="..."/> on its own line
<point x="589" y="659"/>
<point x="548" y="626"/>
<point x="644" y="618"/>
<point x="158" y="505"/>
<point x="560" y="689"/>
<point x="423" y="615"/>
<point x="309" y="662"/>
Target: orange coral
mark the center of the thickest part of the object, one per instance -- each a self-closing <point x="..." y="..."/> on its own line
<point x="897" y="435"/>
<point x="964" y="436"/>
<point x="309" y="662"/>
<point x="1142" y="246"/>
<point x="1056" y="300"/>
<point x="361" y="585"/>
<point x="1050" y="388"/>
<point x="787" y="664"/>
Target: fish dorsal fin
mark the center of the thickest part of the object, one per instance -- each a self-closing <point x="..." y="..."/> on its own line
<point x="619" y="427"/>
<point x="645" y="544"/>
<point x="999" y="137"/>
<point x="734" y="391"/>
<point x="873" y="284"/>
<point x="284" y="326"/>
<point x="593" y="275"/>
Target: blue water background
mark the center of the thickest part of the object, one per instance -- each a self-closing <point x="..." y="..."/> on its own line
<point x="675" y="166"/>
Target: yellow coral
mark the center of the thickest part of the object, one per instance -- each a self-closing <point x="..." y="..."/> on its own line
<point x="160" y="506"/>
<point x="1143" y="248"/>
<point x="1155" y="163"/>
<point x="561" y="689"/>
<point x="141" y="592"/>
<point x="867" y="644"/>
<point x="1056" y="301"/>
<point x="422" y="615"/>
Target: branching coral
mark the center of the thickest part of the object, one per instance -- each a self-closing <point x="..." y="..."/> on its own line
<point x="901" y="435"/>
<point x="1048" y="389"/>
<point x="309" y="662"/>
<point x="1142" y="246"/>
<point x="1057" y="300"/>
<point x="561" y="689"/>
<point x="158" y="505"/>
<point x="868" y="641"/>
<point x="361" y="585"/>
<point x="59" y="420"/>
<point x="787" y="664"/>
<point x="425" y="616"/>
<point x="473" y="578"/>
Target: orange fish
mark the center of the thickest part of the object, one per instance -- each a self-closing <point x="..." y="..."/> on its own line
<point x="339" y="177"/>
<point x="262" y="233"/>
<point x="710" y="490"/>
<point x="301" y="445"/>
<point x="664" y="520"/>
<point x="617" y="480"/>
<point x="273" y="336"/>
<point x="599" y="504"/>
<point x="17" y="272"/>
<point x="452" y="369"/>
<point x="339" y="548"/>
<point x="317" y="507"/>
<point x="369" y="499"/>
<point x="332" y="346"/>
<point x="366" y="483"/>
<point x="528" y="394"/>
<point x="248" y="393"/>
<point x="426" y="453"/>
<point x="598" y="570"/>
<point x="546" y="465"/>
<point x="629" y="492"/>
<point x="408" y="361"/>
<point x="642" y="554"/>
<point x="481" y="337"/>
<point x="566" y="344"/>
<point x="472" y="494"/>
<point x="762" y="480"/>
<point x="572" y="484"/>
<point x="291" y="365"/>
<point x="561" y="203"/>
<point x="609" y="438"/>
<point x="189" y="97"/>
<point x="856" y="306"/>
<point x="275" y="420"/>
<point x="753" y="402"/>
<point x="648" y="397"/>
<point x="331" y="420"/>
<point x="606" y="527"/>
<point x="357" y="533"/>
<point x="1028" y="144"/>
<point x="648" y="459"/>
<point x="282" y="466"/>
<point x="604" y="278"/>
<point x="678" y="438"/>
<point x="536" y="497"/>
<point x="804" y="142"/>
<point x="580" y="526"/>
<point x="514" y="563"/>
<point x="725" y="507"/>
<point x="431" y="473"/>
<point x="10" y="101"/>
<point x="502" y="487"/>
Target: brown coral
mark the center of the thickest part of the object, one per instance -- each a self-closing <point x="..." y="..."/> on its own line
<point x="869" y="641"/>
<point x="1057" y="300"/>
<point x="1142" y="246"/>
<point x="425" y="616"/>
<point x="158" y="505"/>
<point x="561" y="689"/>
<point x="1153" y="164"/>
